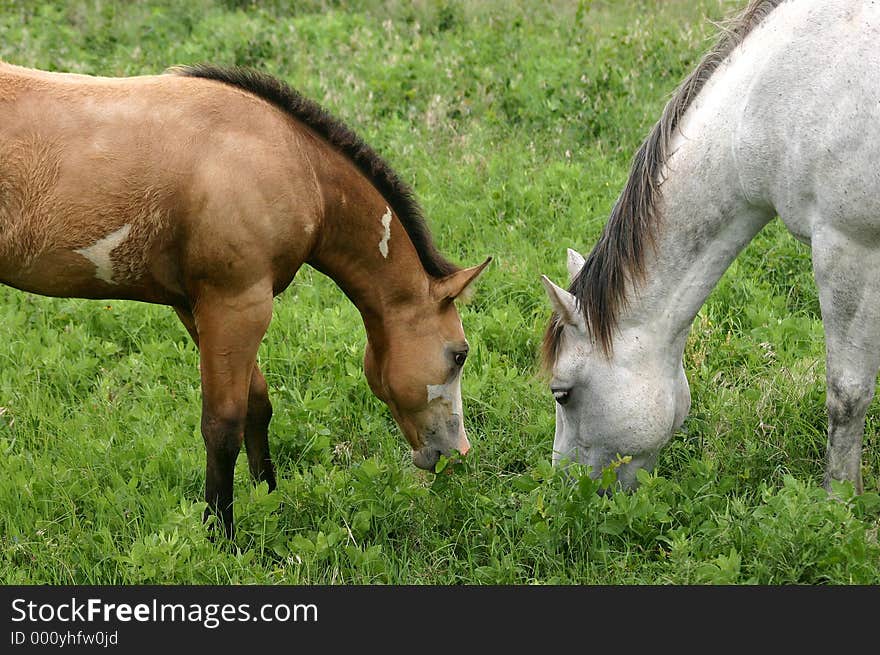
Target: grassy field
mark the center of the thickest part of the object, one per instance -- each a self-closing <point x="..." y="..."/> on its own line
<point x="514" y="122"/>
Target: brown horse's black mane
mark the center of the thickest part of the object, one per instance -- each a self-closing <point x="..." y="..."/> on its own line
<point x="396" y="192"/>
<point x="600" y="287"/>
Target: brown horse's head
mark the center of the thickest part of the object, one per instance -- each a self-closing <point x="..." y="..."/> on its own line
<point x="415" y="367"/>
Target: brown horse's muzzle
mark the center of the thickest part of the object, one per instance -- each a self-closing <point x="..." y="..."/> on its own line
<point x="428" y="455"/>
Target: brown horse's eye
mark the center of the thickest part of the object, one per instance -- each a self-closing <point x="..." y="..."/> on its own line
<point x="459" y="358"/>
<point x="561" y="395"/>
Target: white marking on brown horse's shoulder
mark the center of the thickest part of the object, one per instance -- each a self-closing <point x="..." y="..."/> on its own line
<point x="99" y="253"/>
<point x="386" y="237"/>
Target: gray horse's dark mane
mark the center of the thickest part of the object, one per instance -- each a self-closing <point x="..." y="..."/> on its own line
<point x="394" y="190"/>
<point x="601" y="285"/>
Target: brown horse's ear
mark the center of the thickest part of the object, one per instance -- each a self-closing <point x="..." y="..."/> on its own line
<point x="457" y="285"/>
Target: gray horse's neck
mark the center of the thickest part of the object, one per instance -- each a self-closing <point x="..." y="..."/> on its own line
<point x="706" y="217"/>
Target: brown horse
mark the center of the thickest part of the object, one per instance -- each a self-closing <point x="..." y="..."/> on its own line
<point x="206" y="189"/>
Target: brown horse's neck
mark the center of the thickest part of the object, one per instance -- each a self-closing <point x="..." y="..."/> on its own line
<point x="366" y="250"/>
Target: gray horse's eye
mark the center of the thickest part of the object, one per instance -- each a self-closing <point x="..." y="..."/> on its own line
<point x="561" y="395"/>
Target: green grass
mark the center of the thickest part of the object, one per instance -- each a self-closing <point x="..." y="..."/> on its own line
<point x="514" y="122"/>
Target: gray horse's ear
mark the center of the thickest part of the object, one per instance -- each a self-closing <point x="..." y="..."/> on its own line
<point x="575" y="264"/>
<point x="563" y="303"/>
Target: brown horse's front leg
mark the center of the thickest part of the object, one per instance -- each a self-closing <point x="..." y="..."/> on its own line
<point x="223" y="437"/>
<point x="256" y="431"/>
<point x="259" y="414"/>
<point x="230" y="328"/>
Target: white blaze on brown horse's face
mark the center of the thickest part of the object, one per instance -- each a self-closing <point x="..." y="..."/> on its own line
<point x="416" y="370"/>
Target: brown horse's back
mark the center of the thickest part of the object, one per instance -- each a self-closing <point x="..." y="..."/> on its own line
<point x="138" y="187"/>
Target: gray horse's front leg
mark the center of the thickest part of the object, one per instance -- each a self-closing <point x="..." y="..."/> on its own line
<point x="847" y="273"/>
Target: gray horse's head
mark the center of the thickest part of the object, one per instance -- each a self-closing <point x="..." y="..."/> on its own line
<point x="624" y="404"/>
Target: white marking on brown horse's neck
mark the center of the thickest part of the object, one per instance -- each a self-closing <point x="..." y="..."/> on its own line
<point x="99" y="253"/>
<point x="386" y="237"/>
